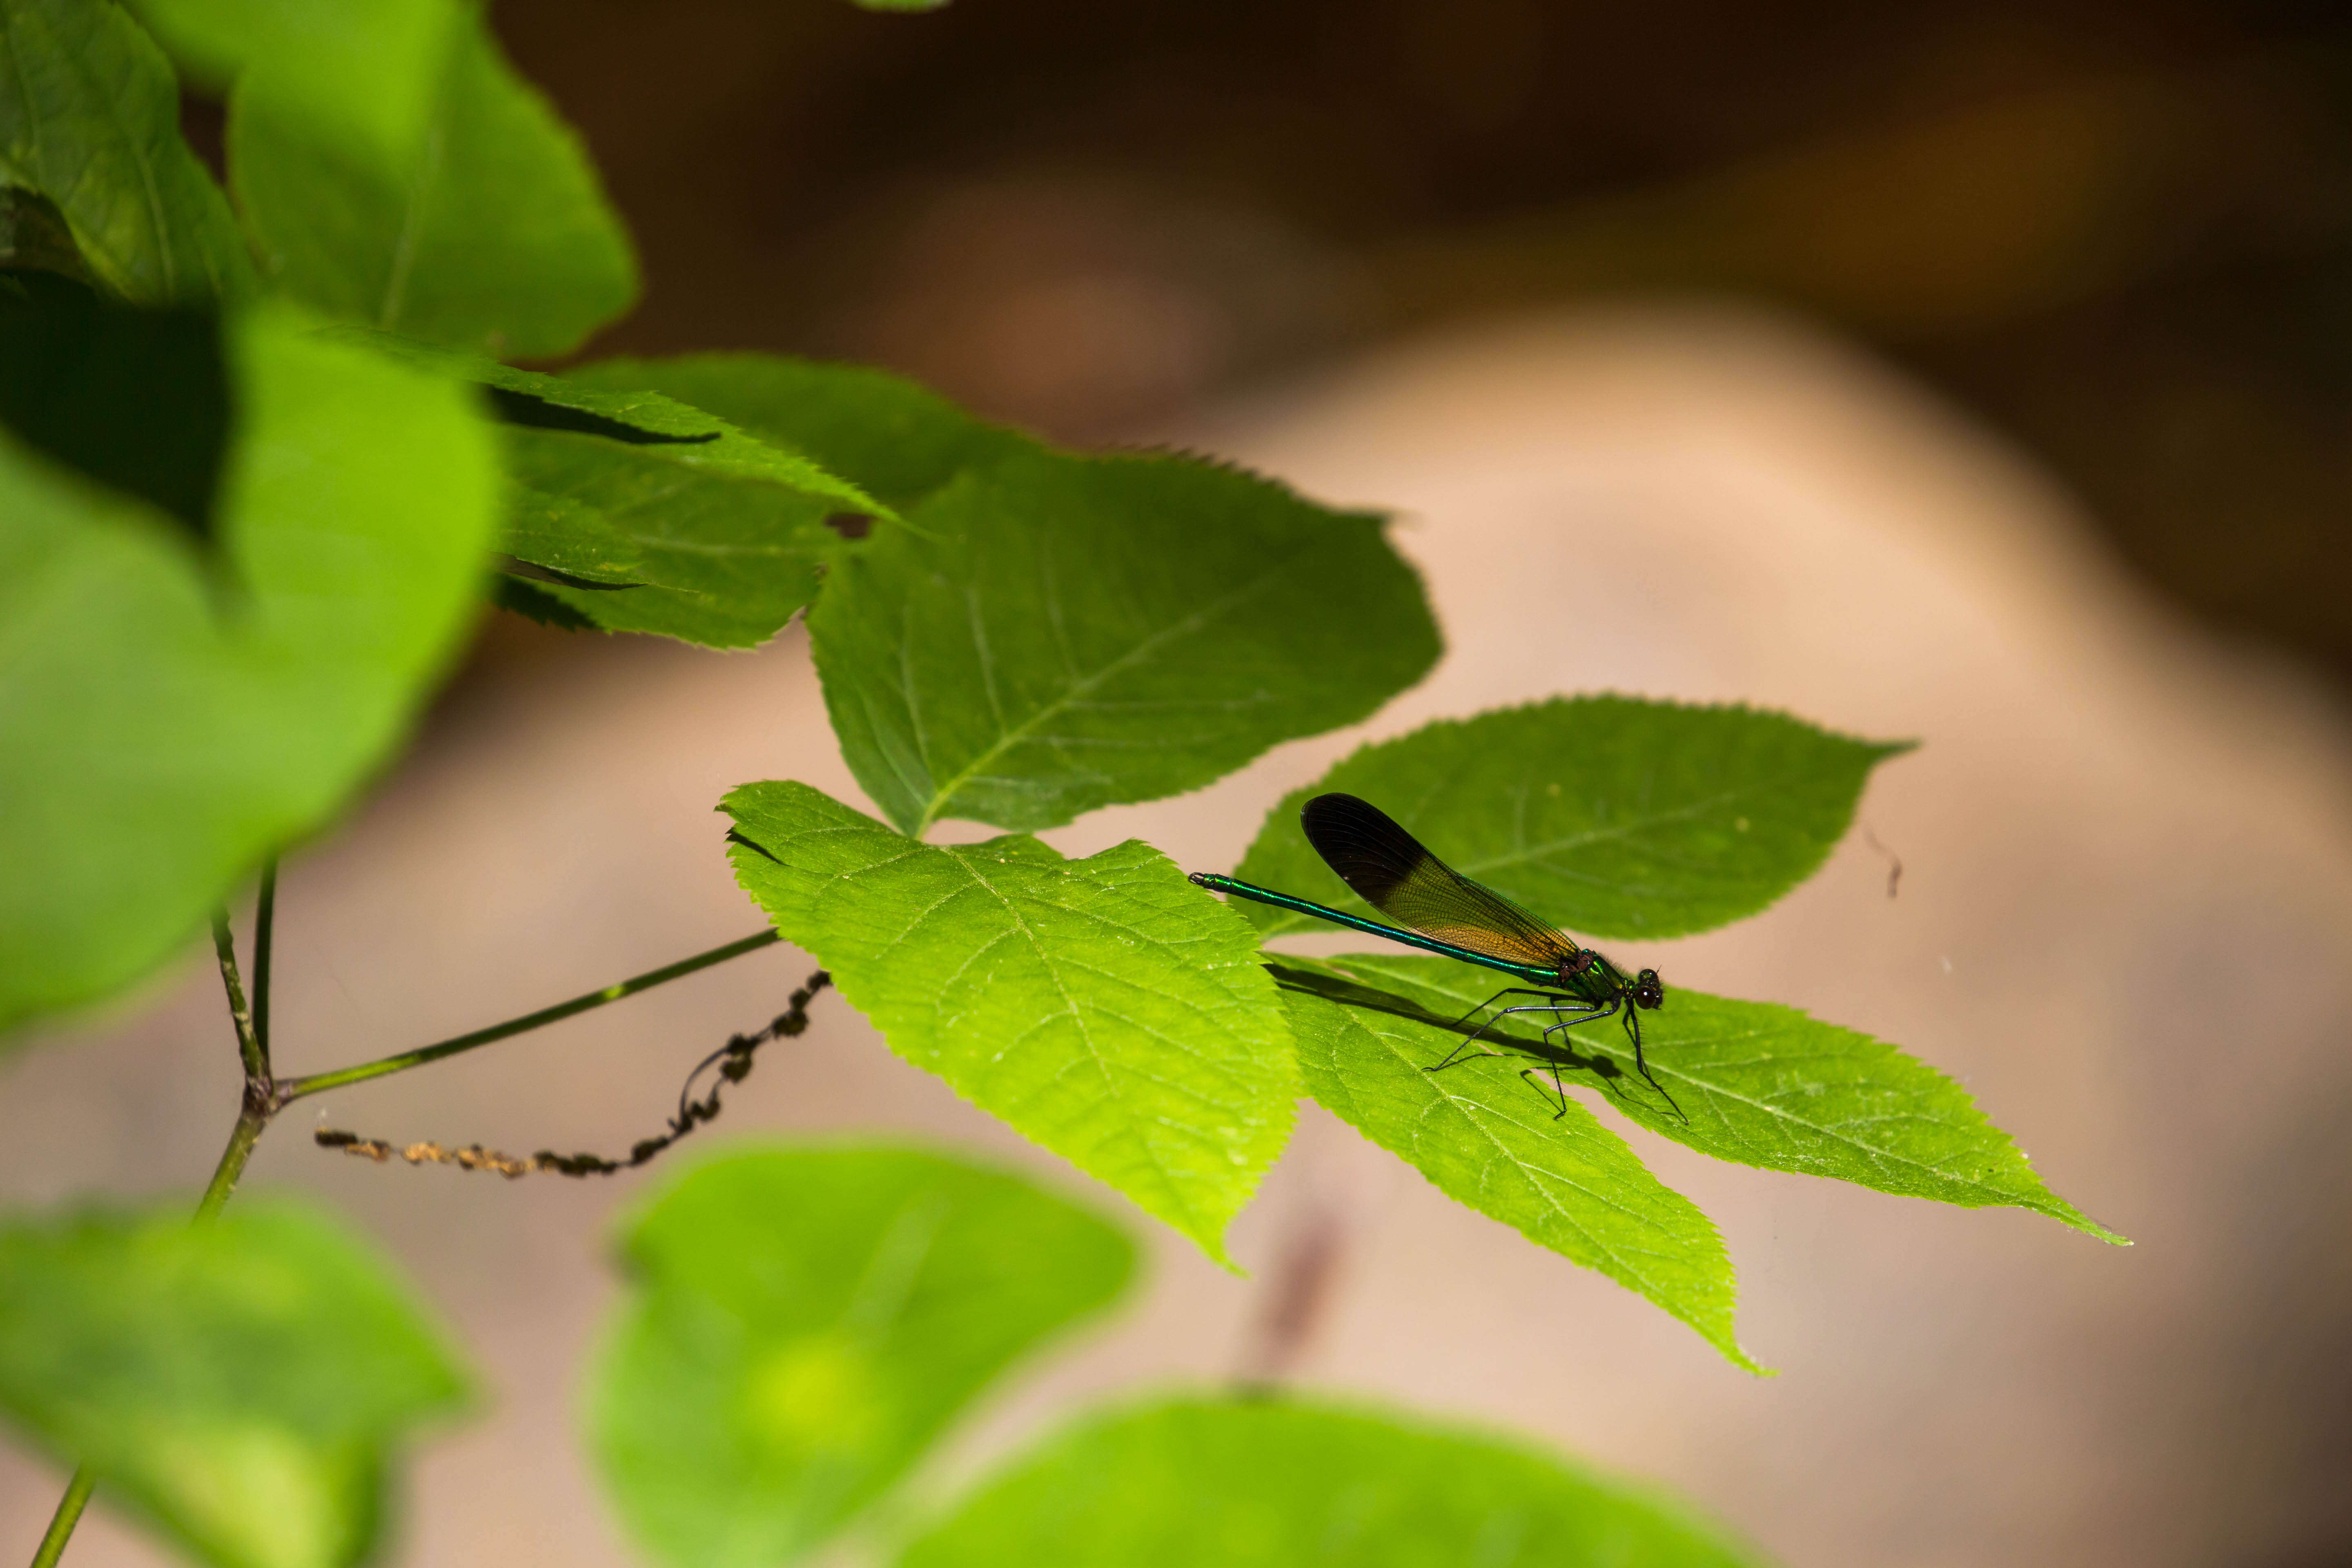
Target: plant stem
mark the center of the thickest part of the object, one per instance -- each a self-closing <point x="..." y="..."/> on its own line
<point x="296" y="1088"/>
<point x="241" y="1139"/>
<point x="264" y="1097"/>
<point x="249" y="1045"/>
<point x="265" y="918"/>
<point x="248" y="1133"/>
<point x="62" y="1522"/>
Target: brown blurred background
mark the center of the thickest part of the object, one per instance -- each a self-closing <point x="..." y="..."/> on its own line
<point x="1978" y="372"/>
<point x="2120" y="230"/>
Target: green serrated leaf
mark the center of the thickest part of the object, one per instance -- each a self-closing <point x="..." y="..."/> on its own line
<point x="245" y="1384"/>
<point x="589" y="401"/>
<point x="711" y="559"/>
<point x="526" y="599"/>
<point x="89" y="118"/>
<point x="1759" y="1083"/>
<point x="492" y="234"/>
<point x="725" y="566"/>
<point x="805" y="1325"/>
<point x="367" y="71"/>
<point x="1101" y="1006"/>
<point x="899" y="441"/>
<point x="1611" y="815"/>
<point x="717" y="535"/>
<point x="1487" y="1138"/>
<point x="167" y="724"/>
<point x="1272" y="1483"/>
<point x="1069" y="632"/>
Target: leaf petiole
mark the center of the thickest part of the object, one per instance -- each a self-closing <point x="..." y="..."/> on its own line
<point x="295" y="1088"/>
<point x="69" y="1514"/>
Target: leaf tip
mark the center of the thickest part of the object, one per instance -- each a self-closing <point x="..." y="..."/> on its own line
<point x="2067" y="1214"/>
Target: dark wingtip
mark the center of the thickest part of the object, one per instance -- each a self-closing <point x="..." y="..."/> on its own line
<point x="1324" y="805"/>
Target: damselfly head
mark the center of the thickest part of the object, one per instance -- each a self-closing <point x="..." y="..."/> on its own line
<point x="1648" y="990"/>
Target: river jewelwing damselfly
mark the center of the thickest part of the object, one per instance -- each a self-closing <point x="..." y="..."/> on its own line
<point x="1440" y="911"/>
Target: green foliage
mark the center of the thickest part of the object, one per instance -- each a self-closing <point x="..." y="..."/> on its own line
<point x="1102" y="1007"/>
<point x="1069" y="633"/>
<point x="89" y="118"/>
<point x="898" y="440"/>
<point x="136" y="400"/>
<point x="168" y="724"/>
<point x="1485" y="1138"/>
<point x="364" y="73"/>
<point x="237" y="547"/>
<point x="655" y="515"/>
<point x="242" y="1383"/>
<point x="489" y="232"/>
<point x="725" y="564"/>
<point x="1606" y="815"/>
<point x="1270" y="1483"/>
<point x="719" y="562"/>
<point x="805" y="1323"/>
<point x="1761" y="1084"/>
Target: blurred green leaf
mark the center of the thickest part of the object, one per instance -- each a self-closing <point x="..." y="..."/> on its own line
<point x="90" y="118"/>
<point x="1487" y="1138"/>
<point x="1273" y="1483"/>
<point x="136" y="400"/>
<point x="1102" y="1007"/>
<point x="1609" y="815"/>
<point x="35" y="238"/>
<point x="492" y="234"/>
<point x="364" y="71"/>
<point x="243" y="1384"/>
<point x="805" y="1322"/>
<point x="168" y="726"/>
<point x="1761" y="1084"/>
<point x="1067" y="633"/>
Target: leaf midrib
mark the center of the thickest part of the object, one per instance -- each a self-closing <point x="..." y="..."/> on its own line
<point x="1175" y="631"/>
<point x="1476" y="1113"/>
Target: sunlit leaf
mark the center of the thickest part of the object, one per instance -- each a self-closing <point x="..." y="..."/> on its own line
<point x="649" y="513"/>
<point x="805" y="1321"/>
<point x="1277" y="1482"/>
<point x="1609" y="815"/>
<point x="1069" y="632"/>
<point x="365" y="72"/>
<point x="1101" y="1006"/>
<point x="244" y="1386"/>
<point x="492" y="234"/>
<point x="1756" y="1082"/>
<point x="897" y="441"/>
<point x="1507" y="1147"/>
